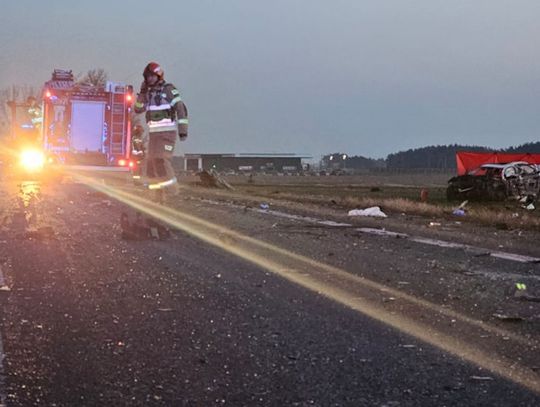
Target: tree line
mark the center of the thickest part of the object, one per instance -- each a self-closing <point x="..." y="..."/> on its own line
<point x="433" y="157"/>
<point x="444" y="157"/>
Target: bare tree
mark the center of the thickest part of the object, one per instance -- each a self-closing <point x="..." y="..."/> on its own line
<point x="94" y="77"/>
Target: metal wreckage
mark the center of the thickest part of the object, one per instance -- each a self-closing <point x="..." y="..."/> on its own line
<point x="494" y="177"/>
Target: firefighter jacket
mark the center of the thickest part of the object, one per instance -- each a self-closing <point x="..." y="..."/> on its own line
<point x="164" y="108"/>
<point x="36" y="116"/>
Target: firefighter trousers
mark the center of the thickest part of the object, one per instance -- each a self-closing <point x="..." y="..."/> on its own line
<point x="158" y="161"/>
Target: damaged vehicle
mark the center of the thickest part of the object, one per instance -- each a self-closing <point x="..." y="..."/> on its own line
<point x="496" y="182"/>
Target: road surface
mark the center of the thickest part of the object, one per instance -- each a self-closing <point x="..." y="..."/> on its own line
<point x="249" y="307"/>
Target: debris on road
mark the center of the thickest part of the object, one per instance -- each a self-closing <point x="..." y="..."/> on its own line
<point x="42" y="233"/>
<point x="211" y="179"/>
<point x="508" y="318"/>
<point x="142" y="228"/>
<point x="521" y="286"/>
<point x="460" y="210"/>
<point x="104" y="202"/>
<point x="526" y="297"/>
<point x="374" y="211"/>
<point x="522" y="294"/>
<point x="481" y="378"/>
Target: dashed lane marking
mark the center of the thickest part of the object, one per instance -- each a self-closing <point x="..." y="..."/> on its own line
<point x="383" y="232"/>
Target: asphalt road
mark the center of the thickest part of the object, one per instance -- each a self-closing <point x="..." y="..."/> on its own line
<point x="243" y="307"/>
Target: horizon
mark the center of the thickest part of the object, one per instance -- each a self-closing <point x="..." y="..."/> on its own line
<point x="363" y="77"/>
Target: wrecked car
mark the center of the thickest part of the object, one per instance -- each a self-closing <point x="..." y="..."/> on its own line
<point x="496" y="182"/>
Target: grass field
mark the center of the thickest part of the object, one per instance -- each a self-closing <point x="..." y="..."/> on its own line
<point x="395" y="193"/>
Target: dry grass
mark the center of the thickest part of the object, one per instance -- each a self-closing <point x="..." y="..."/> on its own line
<point x="500" y="218"/>
<point x="400" y="205"/>
<point x="396" y="199"/>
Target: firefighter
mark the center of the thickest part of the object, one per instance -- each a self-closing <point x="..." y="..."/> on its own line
<point x="166" y="117"/>
<point x="34" y="112"/>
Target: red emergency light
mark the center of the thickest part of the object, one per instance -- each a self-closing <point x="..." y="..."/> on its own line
<point x="129" y="97"/>
<point x="126" y="163"/>
<point x="48" y="94"/>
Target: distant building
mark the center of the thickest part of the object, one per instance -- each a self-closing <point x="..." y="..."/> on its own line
<point x="260" y="162"/>
<point x="338" y="161"/>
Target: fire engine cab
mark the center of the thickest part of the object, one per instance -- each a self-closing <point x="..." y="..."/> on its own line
<point x="85" y="125"/>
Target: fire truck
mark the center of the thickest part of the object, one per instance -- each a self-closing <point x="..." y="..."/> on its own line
<point x="85" y="125"/>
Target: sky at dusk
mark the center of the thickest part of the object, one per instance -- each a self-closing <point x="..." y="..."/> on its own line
<point x="303" y="76"/>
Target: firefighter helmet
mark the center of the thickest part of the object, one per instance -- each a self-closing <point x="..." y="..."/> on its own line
<point x="153" y="68"/>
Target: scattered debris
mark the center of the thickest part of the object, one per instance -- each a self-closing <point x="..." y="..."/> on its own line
<point x="374" y="211"/>
<point x="142" y="228"/>
<point x="521" y="293"/>
<point x="264" y="206"/>
<point x="433" y="224"/>
<point x="481" y="378"/>
<point x="211" y="179"/>
<point x="508" y="318"/>
<point x="526" y="297"/>
<point x="104" y="202"/>
<point x="460" y="210"/>
<point x="42" y="233"/>
<point x="521" y="286"/>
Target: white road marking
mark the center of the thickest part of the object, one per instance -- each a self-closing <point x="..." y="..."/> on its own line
<point x="383" y="232"/>
<point x="453" y="245"/>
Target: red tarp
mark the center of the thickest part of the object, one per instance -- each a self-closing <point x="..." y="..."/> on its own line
<point x="467" y="161"/>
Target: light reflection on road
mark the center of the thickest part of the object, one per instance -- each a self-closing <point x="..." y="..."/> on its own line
<point x="358" y="293"/>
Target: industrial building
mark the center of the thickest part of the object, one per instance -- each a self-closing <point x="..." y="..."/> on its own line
<point x="261" y="162"/>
